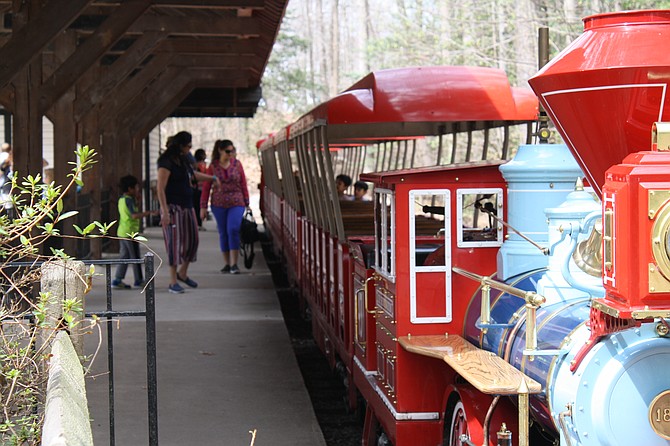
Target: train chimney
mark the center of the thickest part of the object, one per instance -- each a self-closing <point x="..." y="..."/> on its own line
<point x="606" y="93"/>
<point x="606" y="89"/>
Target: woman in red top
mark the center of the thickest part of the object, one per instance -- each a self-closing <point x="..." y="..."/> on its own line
<point x="228" y="201"/>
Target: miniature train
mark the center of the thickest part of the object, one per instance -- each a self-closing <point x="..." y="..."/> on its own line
<point x="479" y="300"/>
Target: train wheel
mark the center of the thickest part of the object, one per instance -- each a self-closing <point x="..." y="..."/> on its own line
<point x="457" y="427"/>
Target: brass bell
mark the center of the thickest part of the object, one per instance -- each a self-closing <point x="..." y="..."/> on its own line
<point x="588" y="255"/>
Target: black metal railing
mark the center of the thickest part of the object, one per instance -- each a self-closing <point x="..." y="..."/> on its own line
<point x="109" y="314"/>
<point x="149" y="315"/>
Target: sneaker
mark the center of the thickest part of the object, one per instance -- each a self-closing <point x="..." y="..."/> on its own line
<point x="140" y="284"/>
<point x="225" y="269"/>
<point x="175" y="289"/>
<point x="234" y="269"/>
<point x="119" y="285"/>
<point x="188" y="281"/>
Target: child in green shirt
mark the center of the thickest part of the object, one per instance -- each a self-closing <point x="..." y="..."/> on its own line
<point x="129" y="223"/>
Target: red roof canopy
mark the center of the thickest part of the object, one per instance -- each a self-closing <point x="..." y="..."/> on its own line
<point x="444" y="94"/>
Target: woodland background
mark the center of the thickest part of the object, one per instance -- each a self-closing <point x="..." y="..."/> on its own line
<point x="324" y="46"/>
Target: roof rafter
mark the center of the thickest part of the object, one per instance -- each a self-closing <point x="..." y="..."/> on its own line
<point x="90" y="51"/>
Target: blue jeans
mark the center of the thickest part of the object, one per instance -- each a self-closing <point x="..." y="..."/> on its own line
<point x="228" y="222"/>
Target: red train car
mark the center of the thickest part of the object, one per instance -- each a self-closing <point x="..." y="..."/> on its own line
<point x="467" y="278"/>
<point x="374" y="272"/>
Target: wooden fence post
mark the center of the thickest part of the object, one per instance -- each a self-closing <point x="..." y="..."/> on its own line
<point x="64" y="279"/>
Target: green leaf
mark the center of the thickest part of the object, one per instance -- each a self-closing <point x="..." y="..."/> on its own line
<point x="24" y="240"/>
<point x="59" y="253"/>
<point x="59" y="206"/>
<point x="89" y="228"/>
<point x="66" y="215"/>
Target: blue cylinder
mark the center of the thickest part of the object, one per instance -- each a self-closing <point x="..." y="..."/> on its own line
<point x="539" y="176"/>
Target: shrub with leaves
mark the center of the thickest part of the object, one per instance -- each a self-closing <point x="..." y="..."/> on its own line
<point x="32" y="211"/>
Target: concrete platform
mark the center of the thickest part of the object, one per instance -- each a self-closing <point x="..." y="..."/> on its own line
<point x="225" y="363"/>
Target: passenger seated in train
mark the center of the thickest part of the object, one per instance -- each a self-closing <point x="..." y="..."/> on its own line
<point x="342" y="182"/>
<point x="360" y="189"/>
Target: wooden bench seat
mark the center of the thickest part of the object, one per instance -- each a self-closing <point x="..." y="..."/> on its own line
<point x="427" y="226"/>
<point x="486" y="371"/>
<point x="358" y="218"/>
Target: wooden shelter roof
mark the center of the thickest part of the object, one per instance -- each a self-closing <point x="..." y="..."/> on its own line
<point x="208" y="55"/>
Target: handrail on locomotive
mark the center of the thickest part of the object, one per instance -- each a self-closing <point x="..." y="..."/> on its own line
<point x="532" y="299"/>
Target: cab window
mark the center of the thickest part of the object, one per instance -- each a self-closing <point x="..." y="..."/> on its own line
<point x="479" y="215"/>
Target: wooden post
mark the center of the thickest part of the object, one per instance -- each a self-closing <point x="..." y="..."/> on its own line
<point x="64" y="280"/>
<point x="27" y="130"/>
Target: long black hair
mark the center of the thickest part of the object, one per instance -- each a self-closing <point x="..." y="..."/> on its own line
<point x="175" y="145"/>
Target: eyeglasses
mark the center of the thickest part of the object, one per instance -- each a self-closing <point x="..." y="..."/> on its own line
<point x="229" y="151"/>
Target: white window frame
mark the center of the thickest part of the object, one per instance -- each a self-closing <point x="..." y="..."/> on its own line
<point x="382" y="266"/>
<point x="460" y="193"/>
<point x="446" y="268"/>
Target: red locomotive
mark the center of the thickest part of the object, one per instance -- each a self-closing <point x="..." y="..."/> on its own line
<point x="476" y="300"/>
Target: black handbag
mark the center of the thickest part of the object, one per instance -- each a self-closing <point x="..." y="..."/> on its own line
<point x="248" y="236"/>
<point x="249" y="228"/>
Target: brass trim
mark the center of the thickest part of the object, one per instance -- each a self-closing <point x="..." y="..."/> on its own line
<point x="662" y="329"/>
<point x="659" y="414"/>
<point x="374" y="278"/>
<point x="598" y="305"/>
<point x="660" y="233"/>
<point x="485" y="314"/>
<point x="657" y="198"/>
<point x="608" y="234"/>
<point x="657" y="282"/>
<point x="646" y="314"/>
<point x="660" y="136"/>
<point x="548" y="319"/>
<point x="588" y="254"/>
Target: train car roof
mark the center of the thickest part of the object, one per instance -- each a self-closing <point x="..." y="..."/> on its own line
<point x="421" y="174"/>
<point x="421" y="101"/>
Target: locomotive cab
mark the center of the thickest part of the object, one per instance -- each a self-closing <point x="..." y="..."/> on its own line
<point x="427" y="221"/>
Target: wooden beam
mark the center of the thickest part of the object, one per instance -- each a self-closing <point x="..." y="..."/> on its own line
<point x="161" y="111"/>
<point x="212" y="4"/>
<point x="65" y="132"/>
<point x="90" y="51"/>
<point x="216" y="61"/>
<point x="209" y="45"/>
<point x="199" y="26"/>
<point x="102" y="8"/>
<point x="117" y="72"/>
<point x="27" y="42"/>
<point x="27" y="123"/>
<point x="163" y="97"/>
<point x="164" y="90"/>
<point x="118" y="98"/>
<point x="7" y="98"/>
<point x="227" y="77"/>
